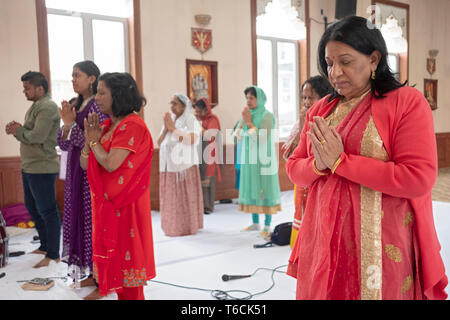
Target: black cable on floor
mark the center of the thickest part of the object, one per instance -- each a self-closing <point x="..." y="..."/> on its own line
<point x="227" y="295"/>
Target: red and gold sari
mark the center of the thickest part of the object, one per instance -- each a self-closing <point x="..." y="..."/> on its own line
<point x="368" y="230"/>
<point x="121" y="230"/>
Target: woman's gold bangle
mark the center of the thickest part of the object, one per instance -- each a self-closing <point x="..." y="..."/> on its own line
<point x="336" y="165"/>
<point x="92" y="144"/>
<point x="317" y="171"/>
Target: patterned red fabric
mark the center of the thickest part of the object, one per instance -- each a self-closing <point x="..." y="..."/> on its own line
<point x="181" y="203"/>
<point x="123" y="253"/>
<point x="131" y="294"/>
<point x="324" y="260"/>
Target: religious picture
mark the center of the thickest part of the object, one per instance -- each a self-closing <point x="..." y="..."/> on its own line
<point x="430" y="92"/>
<point x="200" y="87"/>
<point x="202" y="80"/>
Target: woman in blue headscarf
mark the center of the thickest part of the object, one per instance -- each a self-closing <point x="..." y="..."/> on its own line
<point x="259" y="186"/>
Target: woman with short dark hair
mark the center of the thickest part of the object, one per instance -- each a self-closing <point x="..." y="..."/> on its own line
<point x="368" y="230"/>
<point x="118" y="155"/>
<point x="314" y="89"/>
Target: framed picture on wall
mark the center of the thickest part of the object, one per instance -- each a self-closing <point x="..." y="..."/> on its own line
<point x="430" y="92"/>
<point x="202" y="81"/>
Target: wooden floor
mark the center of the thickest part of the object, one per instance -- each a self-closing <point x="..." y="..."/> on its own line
<point x="441" y="190"/>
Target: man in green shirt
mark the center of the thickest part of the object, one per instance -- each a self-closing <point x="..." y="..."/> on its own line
<point x="40" y="164"/>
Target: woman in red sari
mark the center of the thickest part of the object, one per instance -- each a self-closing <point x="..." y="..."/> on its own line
<point x="118" y="155"/>
<point x="368" y="230"/>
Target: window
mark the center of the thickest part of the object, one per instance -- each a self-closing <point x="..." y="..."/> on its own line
<point x="394" y="64"/>
<point x="86" y="30"/>
<point x="278" y="31"/>
<point x="112" y="8"/>
<point x="392" y="20"/>
<point x="395" y="42"/>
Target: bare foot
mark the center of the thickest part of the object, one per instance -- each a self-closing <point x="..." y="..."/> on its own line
<point x="89" y="282"/>
<point x="45" y="262"/>
<point x="94" y="295"/>
<point x="37" y="251"/>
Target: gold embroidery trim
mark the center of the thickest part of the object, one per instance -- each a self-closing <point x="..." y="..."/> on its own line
<point x="371" y="225"/>
<point x="343" y="109"/>
<point x="259" y="209"/>
<point x="371" y="247"/>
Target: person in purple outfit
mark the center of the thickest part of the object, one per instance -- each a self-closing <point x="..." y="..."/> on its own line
<point x="77" y="220"/>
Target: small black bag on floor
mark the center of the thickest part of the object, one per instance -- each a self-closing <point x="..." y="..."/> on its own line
<point x="281" y="236"/>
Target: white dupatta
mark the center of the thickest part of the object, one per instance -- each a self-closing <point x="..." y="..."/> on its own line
<point x="176" y="156"/>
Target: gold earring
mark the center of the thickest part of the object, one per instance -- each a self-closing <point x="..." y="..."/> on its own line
<point x="374" y="75"/>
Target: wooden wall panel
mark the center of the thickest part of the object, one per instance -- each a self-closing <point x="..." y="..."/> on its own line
<point x="443" y="146"/>
<point x="11" y="187"/>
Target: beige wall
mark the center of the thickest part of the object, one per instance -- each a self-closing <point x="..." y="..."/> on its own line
<point x="429" y="29"/>
<point x="18" y="54"/>
<point x="166" y="44"/>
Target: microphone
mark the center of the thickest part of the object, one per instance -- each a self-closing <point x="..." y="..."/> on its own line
<point x="227" y="277"/>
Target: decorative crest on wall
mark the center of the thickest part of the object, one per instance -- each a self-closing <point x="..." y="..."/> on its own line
<point x="201" y="37"/>
<point x="431" y="61"/>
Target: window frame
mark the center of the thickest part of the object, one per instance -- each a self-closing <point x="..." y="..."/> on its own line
<point x="134" y="46"/>
<point x="404" y="60"/>
<point x="275" y="75"/>
<point x="88" y="32"/>
<point x="397" y="58"/>
<point x="304" y="45"/>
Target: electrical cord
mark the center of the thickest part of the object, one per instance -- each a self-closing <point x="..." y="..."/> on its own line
<point x="228" y="294"/>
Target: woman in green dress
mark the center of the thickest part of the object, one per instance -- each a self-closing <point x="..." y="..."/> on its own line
<point x="259" y="186"/>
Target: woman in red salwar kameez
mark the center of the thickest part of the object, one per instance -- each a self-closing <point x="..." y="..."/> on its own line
<point x="209" y="167"/>
<point x="118" y="155"/>
<point x="368" y="155"/>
